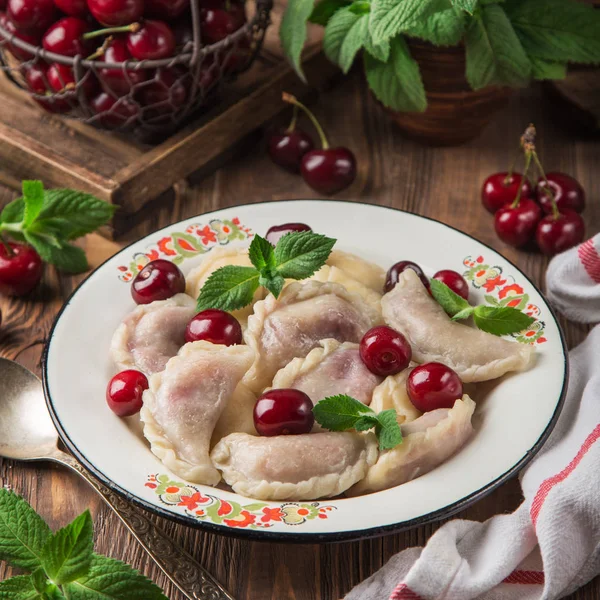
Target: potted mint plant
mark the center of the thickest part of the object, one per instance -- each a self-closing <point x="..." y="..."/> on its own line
<point x="442" y="68"/>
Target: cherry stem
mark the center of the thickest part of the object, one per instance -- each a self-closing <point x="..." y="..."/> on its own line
<point x="292" y="125"/>
<point x="292" y="100"/>
<point x="7" y="247"/>
<point x="527" y="165"/>
<point x="102" y="50"/>
<point x="548" y="189"/>
<point x="109" y="30"/>
<point x="509" y="175"/>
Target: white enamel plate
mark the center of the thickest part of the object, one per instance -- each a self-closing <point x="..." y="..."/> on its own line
<point x="514" y="415"/>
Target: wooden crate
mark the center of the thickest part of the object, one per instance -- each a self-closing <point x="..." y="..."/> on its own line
<point x="65" y="153"/>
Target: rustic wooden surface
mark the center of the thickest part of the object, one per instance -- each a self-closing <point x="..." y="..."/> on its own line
<point x="393" y="171"/>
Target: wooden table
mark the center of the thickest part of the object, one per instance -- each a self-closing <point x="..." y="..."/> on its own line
<point x="393" y="171"/>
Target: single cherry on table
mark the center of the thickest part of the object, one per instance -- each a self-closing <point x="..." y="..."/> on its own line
<point x="116" y="13"/>
<point x="558" y="232"/>
<point x="432" y="386"/>
<point x="567" y="191"/>
<point x="500" y="189"/>
<point x="286" y="147"/>
<point x="455" y="281"/>
<point x="396" y="270"/>
<point x="21" y="268"/>
<point x="158" y="280"/>
<point x="283" y="412"/>
<point x="276" y="232"/>
<point x="516" y="225"/>
<point x="124" y="392"/>
<point x="385" y="351"/>
<point x="215" y="326"/>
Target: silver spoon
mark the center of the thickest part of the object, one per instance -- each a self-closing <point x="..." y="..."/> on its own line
<point x="27" y="433"/>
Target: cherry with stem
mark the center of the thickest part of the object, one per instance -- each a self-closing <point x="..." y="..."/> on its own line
<point x="287" y="147"/>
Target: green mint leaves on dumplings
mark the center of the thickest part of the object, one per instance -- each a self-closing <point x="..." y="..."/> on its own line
<point x="296" y="256"/>
<point x="497" y="320"/>
<point x="342" y="412"/>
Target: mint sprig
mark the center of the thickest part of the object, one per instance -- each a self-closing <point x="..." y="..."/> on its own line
<point x="497" y="320"/>
<point x="61" y="565"/>
<point x="49" y="219"/>
<point x="342" y="412"/>
<point x="296" y="256"/>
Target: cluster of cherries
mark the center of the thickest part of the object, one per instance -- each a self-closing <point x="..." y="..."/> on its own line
<point x="116" y="31"/>
<point x="548" y="211"/>
<point x="383" y="350"/>
<point x="326" y="170"/>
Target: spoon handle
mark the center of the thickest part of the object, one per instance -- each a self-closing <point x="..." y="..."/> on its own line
<point x="191" y="578"/>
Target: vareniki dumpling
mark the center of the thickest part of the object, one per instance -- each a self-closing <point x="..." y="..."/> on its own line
<point x="152" y="334"/>
<point x="368" y="273"/>
<point x="332" y="369"/>
<point x="294" y="467"/>
<point x="474" y="354"/>
<point x="292" y="325"/>
<point x="392" y="394"/>
<point x="184" y="403"/>
<point x="428" y="442"/>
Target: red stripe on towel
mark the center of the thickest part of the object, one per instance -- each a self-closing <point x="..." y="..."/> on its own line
<point x="526" y="577"/>
<point x="403" y="592"/>
<point x="590" y="259"/>
<point x="549" y="483"/>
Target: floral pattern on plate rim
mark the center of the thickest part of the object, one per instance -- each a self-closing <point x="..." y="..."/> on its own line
<point x="188" y="499"/>
<point x="195" y="240"/>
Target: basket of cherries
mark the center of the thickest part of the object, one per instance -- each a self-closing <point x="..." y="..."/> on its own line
<point x="135" y="65"/>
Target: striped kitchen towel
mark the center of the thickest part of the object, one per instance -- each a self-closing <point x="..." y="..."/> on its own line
<point x="550" y="545"/>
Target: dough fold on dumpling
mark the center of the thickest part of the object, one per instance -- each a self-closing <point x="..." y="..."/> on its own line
<point x="294" y="467"/>
<point x="392" y="394"/>
<point x="215" y="259"/>
<point x="368" y="273"/>
<point x="237" y="416"/>
<point x="292" y="325"/>
<point x="184" y="403"/>
<point x="474" y="354"/>
<point x="152" y="334"/>
<point x="428" y="442"/>
<point x="334" y="368"/>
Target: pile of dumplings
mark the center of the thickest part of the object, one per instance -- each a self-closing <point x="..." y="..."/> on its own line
<point x="198" y="410"/>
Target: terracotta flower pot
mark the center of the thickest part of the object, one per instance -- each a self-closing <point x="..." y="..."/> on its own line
<point x="455" y="113"/>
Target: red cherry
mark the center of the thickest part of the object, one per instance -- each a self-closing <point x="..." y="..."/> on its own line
<point x="283" y="412"/>
<point x="31" y="15"/>
<point x="124" y="392"/>
<point x="217" y="22"/>
<point x="118" y="80"/>
<point x="30" y="38"/>
<point x="236" y="58"/>
<point x="286" y="148"/>
<point x="455" y="281"/>
<point x="153" y="41"/>
<point x="114" y="13"/>
<point x="215" y="326"/>
<point x="166" y="9"/>
<point x="568" y="193"/>
<point x="385" y="351"/>
<point x="62" y="79"/>
<point x="66" y="37"/>
<point x="276" y="232"/>
<point x="516" y="226"/>
<point x="329" y="170"/>
<point x="36" y="77"/>
<point x="167" y="93"/>
<point x="74" y="8"/>
<point x="432" y="386"/>
<point x="114" y="112"/>
<point x="555" y="235"/>
<point x="396" y="270"/>
<point x="158" y="280"/>
<point x="20" y="269"/>
<point x="3" y="4"/>
<point x="501" y="188"/>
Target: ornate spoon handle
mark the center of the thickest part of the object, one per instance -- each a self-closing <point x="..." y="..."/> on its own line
<point x="191" y="578"/>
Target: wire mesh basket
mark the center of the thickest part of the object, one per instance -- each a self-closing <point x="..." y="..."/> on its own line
<point x="148" y="98"/>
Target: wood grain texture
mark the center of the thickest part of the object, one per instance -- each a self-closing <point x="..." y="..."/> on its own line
<point x="393" y="171"/>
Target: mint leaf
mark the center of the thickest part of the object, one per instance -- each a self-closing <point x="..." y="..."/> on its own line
<point x="274" y="283"/>
<point x="465" y="313"/>
<point x="366" y="422"/>
<point x="299" y="255"/>
<point x="23" y="533"/>
<point x="341" y="412"/>
<point x="325" y="9"/>
<point x="229" y="288"/>
<point x="13" y="212"/>
<point x="46" y="589"/>
<point x="391" y="17"/>
<point x="261" y="254"/>
<point x="468" y="5"/>
<point x="451" y="302"/>
<point x="397" y="83"/>
<point x="19" y="588"/>
<point x="388" y="432"/>
<point x="444" y="28"/>
<point x="501" y="321"/>
<point x="292" y="31"/>
<point x="344" y="36"/>
<point x="65" y="257"/>
<point x="67" y="555"/>
<point x="360" y="7"/>
<point x="110" y="579"/>
<point x="547" y="69"/>
<point x="380" y="51"/>
<point x="33" y="196"/>
<point x="495" y="55"/>
<point x="557" y="30"/>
